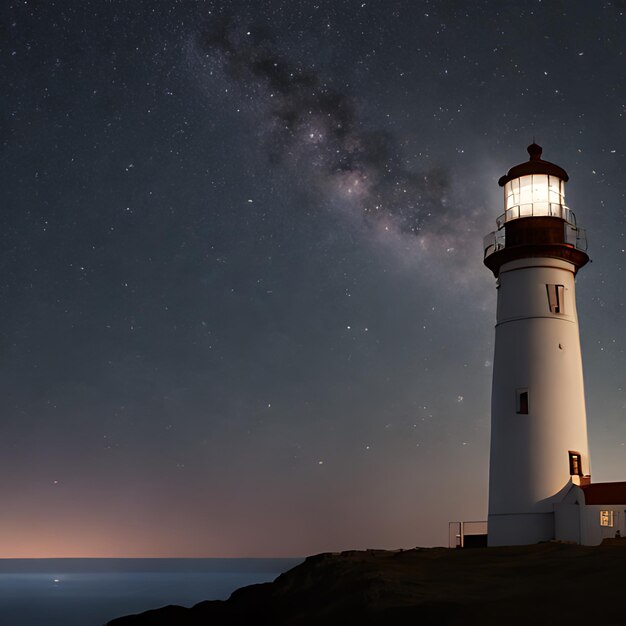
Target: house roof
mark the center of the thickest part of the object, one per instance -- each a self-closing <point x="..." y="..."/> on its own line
<point x="605" y="493"/>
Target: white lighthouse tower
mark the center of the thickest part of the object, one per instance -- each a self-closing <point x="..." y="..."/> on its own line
<point x="538" y="421"/>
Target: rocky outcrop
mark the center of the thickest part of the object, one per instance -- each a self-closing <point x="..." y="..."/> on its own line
<point x="546" y="583"/>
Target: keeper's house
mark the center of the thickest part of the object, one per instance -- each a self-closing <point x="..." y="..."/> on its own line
<point x="590" y="513"/>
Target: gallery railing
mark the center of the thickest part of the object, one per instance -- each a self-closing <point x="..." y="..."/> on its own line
<point x="572" y="236"/>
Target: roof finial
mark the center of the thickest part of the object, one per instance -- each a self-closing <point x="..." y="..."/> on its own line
<point x="534" y="151"/>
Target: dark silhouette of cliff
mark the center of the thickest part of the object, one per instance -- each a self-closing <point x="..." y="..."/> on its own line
<point x="550" y="583"/>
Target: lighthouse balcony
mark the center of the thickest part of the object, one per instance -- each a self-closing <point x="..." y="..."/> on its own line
<point x="493" y="242"/>
<point x="547" y="232"/>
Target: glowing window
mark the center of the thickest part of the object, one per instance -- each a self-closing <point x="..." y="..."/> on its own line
<point x="521" y="401"/>
<point x="534" y="194"/>
<point x="575" y="464"/>
<point x="555" y="190"/>
<point x="606" y="518"/>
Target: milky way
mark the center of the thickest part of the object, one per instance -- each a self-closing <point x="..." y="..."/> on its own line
<point x="319" y="132"/>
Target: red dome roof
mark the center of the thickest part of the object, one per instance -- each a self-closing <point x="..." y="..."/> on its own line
<point x="535" y="165"/>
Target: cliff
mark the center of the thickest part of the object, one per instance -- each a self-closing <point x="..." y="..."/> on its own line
<point x="545" y="583"/>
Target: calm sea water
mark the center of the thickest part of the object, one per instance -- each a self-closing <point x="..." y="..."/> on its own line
<point x="89" y="592"/>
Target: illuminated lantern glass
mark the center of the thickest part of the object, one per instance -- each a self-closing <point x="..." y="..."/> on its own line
<point x="535" y="195"/>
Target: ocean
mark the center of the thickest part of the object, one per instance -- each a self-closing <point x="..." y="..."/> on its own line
<point x="90" y="592"/>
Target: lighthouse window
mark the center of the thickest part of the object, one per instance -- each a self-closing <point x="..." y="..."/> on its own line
<point x="521" y="401"/>
<point x="556" y="298"/>
<point x="575" y="464"/>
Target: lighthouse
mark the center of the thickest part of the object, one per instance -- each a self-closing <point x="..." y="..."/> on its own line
<point x="539" y="450"/>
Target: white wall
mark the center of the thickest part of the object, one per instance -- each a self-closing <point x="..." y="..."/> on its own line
<point x="591" y="531"/>
<point x="567" y="522"/>
<point x="538" y="350"/>
<point x="581" y="523"/>
<point x="520" y="529"/>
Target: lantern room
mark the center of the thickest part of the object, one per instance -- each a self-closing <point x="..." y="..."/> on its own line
<point x="535" y="188"/>
<point x="535" y="191"/>
<point x="534" y="194"/>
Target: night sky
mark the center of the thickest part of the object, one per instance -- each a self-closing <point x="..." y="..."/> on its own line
<point x="244" y="310"/>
